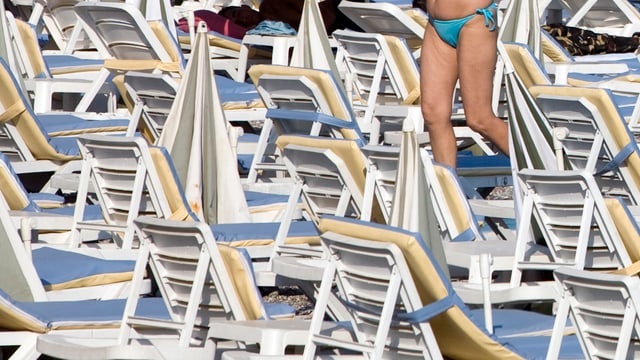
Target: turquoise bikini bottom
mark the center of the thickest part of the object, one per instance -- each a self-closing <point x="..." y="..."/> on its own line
<point x="449" y="30"/>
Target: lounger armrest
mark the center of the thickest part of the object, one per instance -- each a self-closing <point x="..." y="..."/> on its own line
<point x="41" y="221"/>
<point x="61" y="85"/>
<point x="46" y="87"/>
<point x="37" y="166"/>
<point x="562" y="70"/>
<point x="630" y="29"/>
<point x="280" y="114"/>
<point x="622" y="87"/>
<point x="501" y="209"/>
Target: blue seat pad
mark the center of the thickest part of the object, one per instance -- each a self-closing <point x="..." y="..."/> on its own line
<point x="55" y="266"/>
<point x="90" y="312"/>
<point x="469" y="161"/>
<point x="535" y="347"/>
<point x="507" y="322"/>
<point x="261" y="231"/>
<point x="275" y="310"/>
<point x="256" y="198"/>
<point x="52" y="123"/>
<point x="91" y="212"/>
<point x="65" y="145"/>
<point x="63" y="62"/>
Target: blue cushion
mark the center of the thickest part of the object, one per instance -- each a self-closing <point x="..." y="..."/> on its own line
<point x="255" y="198"/>
<point x="244" y="162"/>
<point x="91" y="212"/>
<point x="59" y="313"/>
<point x="507" y="322"/>
<point x="56" y="266"/>
<point x="65" y="145"/>
<point x="249" y="138"/>
<point x="535" y="347"/>
<point x="46" y="197"/>
<point x="241" y="97"/>
<point x="60" y="61"/>
<point x="228" y="86"/>
<point x="467" y="161"/>
<point x="260" y="231"/>
<point x="65" y="122"/>
<point x="279" y="309"/>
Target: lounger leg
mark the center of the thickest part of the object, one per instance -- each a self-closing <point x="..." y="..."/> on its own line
<point x="27" y="349"/>
<point x="88" y="97"/>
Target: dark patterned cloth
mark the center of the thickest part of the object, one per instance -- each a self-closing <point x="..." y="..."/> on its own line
<point x="579" y="41"/>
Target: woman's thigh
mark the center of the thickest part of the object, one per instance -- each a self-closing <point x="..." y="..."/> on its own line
<point x="438" y="72"/>
<point x="477" y="54"/>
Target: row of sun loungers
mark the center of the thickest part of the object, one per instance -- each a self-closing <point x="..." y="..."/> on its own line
<point x="155" y="222"/>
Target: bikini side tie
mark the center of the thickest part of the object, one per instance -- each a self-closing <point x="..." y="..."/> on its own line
<point x="489" y="20"/>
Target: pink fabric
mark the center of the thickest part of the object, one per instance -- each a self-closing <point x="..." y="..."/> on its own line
<point x="215" y="23"/>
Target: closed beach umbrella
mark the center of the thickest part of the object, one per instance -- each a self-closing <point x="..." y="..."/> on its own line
<point x="196" y="135"/>
<point x="521" y="24"/>
<point x="411" y="207"/>
<point x="312" y="49"/>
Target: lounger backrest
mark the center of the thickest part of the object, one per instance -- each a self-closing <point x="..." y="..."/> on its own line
<point x="60" y="20"/>
<point x="193" y="270"/>
<point x="156" y="93"/>
<point x="169" y="44"/>
<point x="290" y="88"/>
<point x="17" y="196"/>
<point x="132" y="177"/>
<point x="454" y="325"/>
<point x="387" y="293"/>
<point x="120" y="176"/>
<point x="528" y="68"/>
<point x="35" y="64"/>
<point x="364" y="53"/>
<point x="16" y="112"/>
<point x="330" y="169"/>
<point x="572" y="218"/>
<point x="602" y="304"/>
<point x="122" y="32"/>
<point x="329" y="101"/>
<point x="406" y="68"/>
<point x="590" y="115"/>
<point x="385" y="18"/>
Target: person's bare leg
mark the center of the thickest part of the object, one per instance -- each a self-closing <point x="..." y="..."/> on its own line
<point x="438" y="76"/>
<point x="477" y="54"/>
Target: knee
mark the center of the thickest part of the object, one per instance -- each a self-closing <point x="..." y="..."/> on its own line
<point x="483" y="124"/>
<point x="435" y="113"/>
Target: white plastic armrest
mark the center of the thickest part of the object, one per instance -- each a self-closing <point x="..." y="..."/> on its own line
<point x="562" y="70"/>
